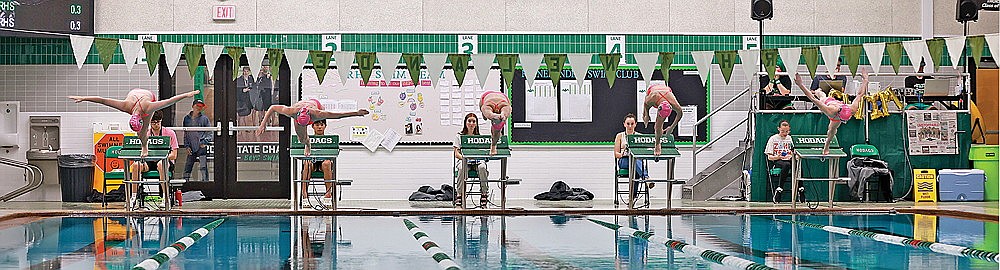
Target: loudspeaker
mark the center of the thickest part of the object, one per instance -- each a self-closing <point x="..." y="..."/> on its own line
<point x="967" y="10"/>
<point x="761" y="9"/>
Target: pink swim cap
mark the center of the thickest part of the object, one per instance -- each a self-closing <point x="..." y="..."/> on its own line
<point x="665" y="109"/>
<point x="303" y="119"/>
<point x="135" y="123"/>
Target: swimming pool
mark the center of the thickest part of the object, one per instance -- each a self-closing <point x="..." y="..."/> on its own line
<point x="530" y="242"/>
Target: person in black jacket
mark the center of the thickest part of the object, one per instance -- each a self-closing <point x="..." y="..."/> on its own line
<point x="244" y="85"/>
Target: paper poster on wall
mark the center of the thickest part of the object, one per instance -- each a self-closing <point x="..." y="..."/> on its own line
<point x="686" y="126"/>
<point x="640" y="98"/>
<point x="359" y="133"/>
<point x="391" y="139"/>
<point x="540" y="102"/>
<point x="932" y="132"/>
<point x="373" y="140"/>
<point x="577" y="101"/>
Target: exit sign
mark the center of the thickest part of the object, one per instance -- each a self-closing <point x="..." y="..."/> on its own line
<point x="224" y="12"/>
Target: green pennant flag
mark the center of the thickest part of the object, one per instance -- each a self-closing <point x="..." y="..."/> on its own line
<point x="106" y="50"/>
<point x="192" y="54"/>
<point x="770" y="59"/>
<point x="976" y="46"/>
<point x="321" y="61"/>
<point x="935" y="47"/>
<point x="507" y="64"/>
<point x="366" y="63"/>
<point x="852" y="57"/>
<point x="153" y="51"/>
<point x="459" y="65"/>
<point x="811" y="57"/>
<point x="610" y="63"/>
<point x="555" y="63"/>
<point x="666" y="59"/>
<point x="274" y="57"/>
<point x="235" y="53"/>
<point x="413" y="65"/>
<point x="895" y="51"/>
<point x="726" y="59"/>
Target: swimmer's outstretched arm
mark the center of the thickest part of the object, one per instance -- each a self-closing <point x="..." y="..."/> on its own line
<point x="118" y="104"/>
<point x="158" y="105"/>
<point x="281" y="109"/>
<point x="334" y="115"/>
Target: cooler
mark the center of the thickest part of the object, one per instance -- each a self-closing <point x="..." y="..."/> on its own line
<point x="961" y="185"/>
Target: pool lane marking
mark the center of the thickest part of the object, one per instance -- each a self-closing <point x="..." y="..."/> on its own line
<point x="709" y="255"/>
<point x="442" y="259"/>
<point x="177" y="247"/>
<point x="906" y="242"/>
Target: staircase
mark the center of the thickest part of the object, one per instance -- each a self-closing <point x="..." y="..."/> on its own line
<point x="720" y="179"/>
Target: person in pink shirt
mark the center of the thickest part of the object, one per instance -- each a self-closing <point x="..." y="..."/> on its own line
<point x="156" y="129"/>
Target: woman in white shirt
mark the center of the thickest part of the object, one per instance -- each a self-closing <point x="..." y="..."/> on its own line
<point x="471" y="127"/>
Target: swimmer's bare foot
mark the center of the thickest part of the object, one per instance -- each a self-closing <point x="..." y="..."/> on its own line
<point x="657" y="150"/>
<point x="493" y="150"/>
<point x="826" y="151"/>
<point x="144" y="152"/>
<point x="306" y="151"/>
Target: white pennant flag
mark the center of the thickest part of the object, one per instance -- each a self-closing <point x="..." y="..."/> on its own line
<point x="790" y="56"/>
<point x="703" y="60"/>
<point x="530" y="62"/>
<point x="344" y="61"/>
<point x="435" y="64"/>
<point x="831" y="55"/>
<point x="994" y="42"/>
<point x="296" y="60"/>
<point x="955" y="47"/>
<point x="387" y="62"/>
<point x="751" y="62"/>
<point x="875" y="51"/>
<point x="81" y="48"/>
<point x="255" y="57"/>
<point x="212" y="53"/>
<point x="173" y="53"/>
<point x="915" y="50"/>
<point x="483" y="62"/>
<point x="579" y="63"/>
<point x="130" y="52"/>
<point x="647" y="64"/>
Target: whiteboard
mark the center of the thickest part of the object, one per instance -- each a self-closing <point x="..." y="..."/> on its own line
<point x="421" y="113"/>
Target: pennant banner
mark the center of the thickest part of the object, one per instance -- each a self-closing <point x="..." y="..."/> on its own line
<point x="703" y="61"/>
<point x="875" y="51"/>
<point x="413" y="61"/>
<point x="750" y="62"/>
<point x="647" y="64"/>
<point x="811" y="57"/>
<point x="153" y="51"/>
<point x="726" y="60"/>
<point x="274" y="57"/>
<point x="235" y="53"/>
<point x="831" y="58"/>
<point x="579" y="63"/>
<point x="388" y="63"/>
<point x="976" y="44"/>
<point x="172" y="51"/>
<point x="666" y="60"/>
<point x="459" y="65"/>
<point x="483" y="62"/>
<point x="994" y="42"/>
<point x="609" y="61"/>
<point x="955" y="47"/>
<point x="507" y="64"/>
<point x="555" y="63"/>
<point x="296" y="60"/>
<point x="106" y="50"/>
<point x="435" y="64"/>
<point x="852" y="57"/>
<point x="366" y="63"/>
<point x="192" y="54"/>
<point x="915" y="50"/>
<point x="345" y="60"/>
<point x="770" y="59"/>
<point x="81" y="48"/>
<point x="320" y="61"/>
<point x="790" y="56"/>
<point x="130" y="52"/>
<point x="530" y="63"/>
<point x="212" y="53"/>
<point x="935" y="48"/>
<point x="255" y="58"/>
<point x="895" y="51"/>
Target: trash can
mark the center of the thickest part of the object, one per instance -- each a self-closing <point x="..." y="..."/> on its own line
<point x="987" y="158"/>
<point x="76" y="176"/>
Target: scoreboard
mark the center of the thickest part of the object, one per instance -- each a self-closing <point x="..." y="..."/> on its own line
<point x="48" y="16"/>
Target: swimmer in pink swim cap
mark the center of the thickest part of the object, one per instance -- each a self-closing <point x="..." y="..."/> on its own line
<point x="141" y="104"/>
<point x="661" y="97"/>
<point x="834" y="109"/>
<point x="303" y="114"/>
<point x="495" y="107"/>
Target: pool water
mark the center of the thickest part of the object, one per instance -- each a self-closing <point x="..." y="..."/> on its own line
<point x="526" y="242"/>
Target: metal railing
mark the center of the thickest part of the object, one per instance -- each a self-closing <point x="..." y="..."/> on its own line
<point x="32" y="175"/>
<point x="695" y="149"/>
